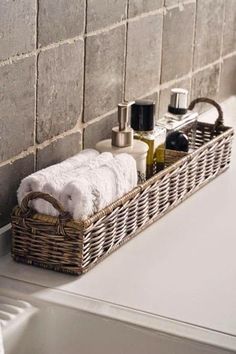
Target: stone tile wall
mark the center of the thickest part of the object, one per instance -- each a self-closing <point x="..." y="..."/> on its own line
<point x="66" y="64"/>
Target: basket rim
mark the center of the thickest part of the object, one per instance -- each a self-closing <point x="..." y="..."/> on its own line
<point x="84" y="224"/>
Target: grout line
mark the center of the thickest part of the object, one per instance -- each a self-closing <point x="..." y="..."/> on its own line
<point x="84" y="68"/>
<point x="57" y="138"/>
<point x="97" y="119"/>
<point x="208" y="66"/>
<point x="168" y="84"/>
<point x="36" y="86"/>
<point x="125" y="53"/>
<point x="161" y="55"/>
<point x="157" y="112"/>
<point x="221" y="51"/>
<point x="32" y="149"/>
<point x="147" y="14"/>
<point x="27" y="152"/>
<point x="16" y="58"/>
<point x="36" y="109"/>
<point x="81" y="118"/>
<point x="180" y="4"/>
<point x="227" y="56"/>
<point x="37" y="24"/>
<point x="106" y="29"/>
<point x="58" y="44"/>
<point x="222" y="31"/>
<point x="193" y="48"/>
<point x="161" y="48"/>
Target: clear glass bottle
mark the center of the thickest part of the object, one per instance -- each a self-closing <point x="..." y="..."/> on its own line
<point x="179" y="122"/>
<point x="122" y="142"/>
<point x="143" y="123"/>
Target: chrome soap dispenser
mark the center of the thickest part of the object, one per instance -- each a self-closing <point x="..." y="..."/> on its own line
<point x="122" y="141"/>
<point x="179" y="122"/>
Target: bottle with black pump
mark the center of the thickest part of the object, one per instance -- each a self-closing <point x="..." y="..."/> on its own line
<point x="179" y="122"/>
<point x="143" y="124"/>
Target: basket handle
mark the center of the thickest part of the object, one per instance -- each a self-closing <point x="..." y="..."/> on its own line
<point x="220" y="120"/>
<point x="63" y="215"/>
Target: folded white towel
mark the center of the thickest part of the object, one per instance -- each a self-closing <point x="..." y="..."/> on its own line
<point x="55" y="186"/>
<point x="1" y="341"/>
<point x="36" y="181"/>
<point x="124" y="166"/>
<point x="91" y="192"/>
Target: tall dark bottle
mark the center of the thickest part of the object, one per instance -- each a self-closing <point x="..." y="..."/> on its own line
<point x="179" y="122"/>
<point x="146" y="130"/>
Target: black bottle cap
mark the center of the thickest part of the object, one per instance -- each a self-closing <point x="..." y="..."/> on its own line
<point x="142" y="115"/>
<point x="174" y="110"/>
<point x="177" y="141"/>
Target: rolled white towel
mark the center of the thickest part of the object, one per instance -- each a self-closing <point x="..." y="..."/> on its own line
<point x="125" y="164"/>
<point x="36" y="181"/>
<point x="1" y="340"/>
<point x="55" y="186"/>
<point x="89" y="193"/>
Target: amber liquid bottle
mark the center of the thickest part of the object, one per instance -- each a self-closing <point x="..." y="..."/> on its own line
<point x="143" y="123"/>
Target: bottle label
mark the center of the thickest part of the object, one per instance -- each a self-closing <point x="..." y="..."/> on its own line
<point x="141" y="177"/>
<point x="141" y="168"/>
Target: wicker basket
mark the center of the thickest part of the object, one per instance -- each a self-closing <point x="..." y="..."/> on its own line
<point x="64" y="245"/>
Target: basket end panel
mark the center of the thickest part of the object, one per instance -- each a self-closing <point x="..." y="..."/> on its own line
<point x="50" y="246"/>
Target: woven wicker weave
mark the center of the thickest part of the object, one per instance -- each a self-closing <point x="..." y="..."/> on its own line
<point x="64" y="245"/>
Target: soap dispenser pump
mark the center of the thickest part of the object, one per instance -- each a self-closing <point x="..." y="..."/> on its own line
<point x="122" y="141"/>
<point x="122" y="136"/>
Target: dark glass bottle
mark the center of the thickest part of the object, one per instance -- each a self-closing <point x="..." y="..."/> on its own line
<point x="179" y="122"/>
<point x="145" y="129"/>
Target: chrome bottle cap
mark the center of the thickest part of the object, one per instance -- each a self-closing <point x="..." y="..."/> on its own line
<point x="178" y="101"/>
<point x="122" y="135"/>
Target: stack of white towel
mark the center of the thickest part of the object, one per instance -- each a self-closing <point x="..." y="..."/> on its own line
<point x="1" y="340"/>
<point x="84" y="183"/>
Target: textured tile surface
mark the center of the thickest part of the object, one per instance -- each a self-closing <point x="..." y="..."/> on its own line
<point x="164" y="96"/>
<point x="17" y="107"/>
<point x="143" y="56"/>
<point x="227" y="79"/>
<point x="17" y="27"/>
<point x="172" y="2"/>
<point x="229" y="37"/>
<point x="104" y="72"/>
<point x="177" y="49"/>
<point x="209" y="24"/>
<point x="60" y="89"/>
<point x="205" y="84"/>
<point x="137" y="7"/>
<point x="59" y="20"/>
<point x="99" y="130"/>
<point x="105" y="14"/>
<point x="58" y="150"/>
<point x="10" y="177"/>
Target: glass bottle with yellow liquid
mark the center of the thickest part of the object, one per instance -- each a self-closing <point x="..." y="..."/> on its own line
<point x="154" y="135"/>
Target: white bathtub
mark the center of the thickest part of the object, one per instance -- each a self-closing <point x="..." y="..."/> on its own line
<point x="48" y="321"/>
